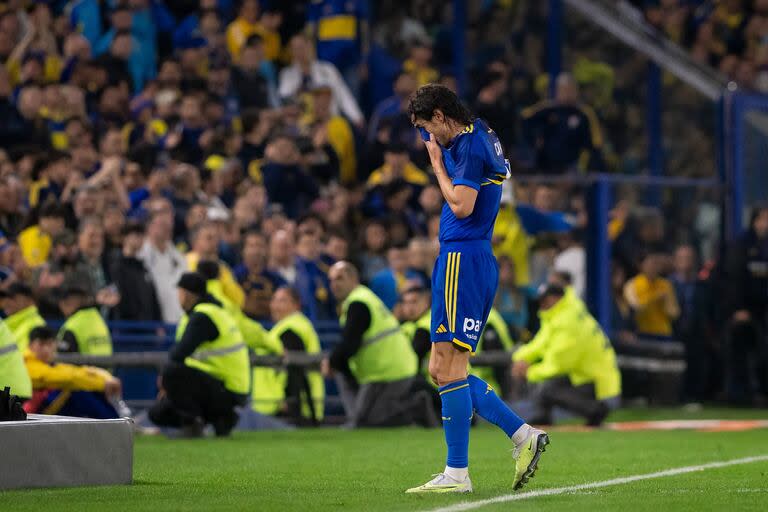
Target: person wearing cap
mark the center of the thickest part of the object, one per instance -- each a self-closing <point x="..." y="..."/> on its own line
<point x="22" y="314"/>
<point x="66" y="389"/>
<point x="570" y="360"/>
<point x="84" y="329"/>
<point x="208" y="372"/>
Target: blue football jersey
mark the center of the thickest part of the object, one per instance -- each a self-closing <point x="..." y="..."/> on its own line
<point x="475" y="159"/>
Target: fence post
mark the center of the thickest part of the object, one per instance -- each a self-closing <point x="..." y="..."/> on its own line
<point x="459" y="40"/>
<point x="654" y="131"/>
<point x="599" y="253"/>
<point x="554" y="43"/>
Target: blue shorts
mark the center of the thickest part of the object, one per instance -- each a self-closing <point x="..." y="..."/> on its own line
<point x="464" y="283"/>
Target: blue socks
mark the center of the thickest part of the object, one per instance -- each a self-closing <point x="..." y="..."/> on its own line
<point x="457" y="416"/>
<point x="491" y="408"/>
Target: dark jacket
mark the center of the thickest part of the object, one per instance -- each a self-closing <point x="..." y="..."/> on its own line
<point x="746" y="276"/>
<point x="138" y="300"/>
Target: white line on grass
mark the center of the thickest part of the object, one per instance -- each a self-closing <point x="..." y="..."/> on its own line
<point x="471" y="505"/>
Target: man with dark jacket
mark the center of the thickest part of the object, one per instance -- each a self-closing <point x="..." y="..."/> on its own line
<point x="134" y="283"/>
<point x="746" y="289"/>
<point x="208" y="372"/>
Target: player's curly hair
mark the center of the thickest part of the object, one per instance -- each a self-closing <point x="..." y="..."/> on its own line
<point x="431" y="97"/>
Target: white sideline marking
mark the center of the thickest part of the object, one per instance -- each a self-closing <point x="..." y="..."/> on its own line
<point x="471" y="505"/>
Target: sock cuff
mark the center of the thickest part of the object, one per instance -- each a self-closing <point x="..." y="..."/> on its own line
<point x="453" y="386"/>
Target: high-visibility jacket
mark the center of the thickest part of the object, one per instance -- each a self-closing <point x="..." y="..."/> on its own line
<point x="386" y="354"/>
<point x="226" y="357"/>
<point x="21" y="324"/>
<point x="90" y="331"/>
<point x="570" y="342"/>
<point x="13" y="374"/>
<point x="268" y="394"/>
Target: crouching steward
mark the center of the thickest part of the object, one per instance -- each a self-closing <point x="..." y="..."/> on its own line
<point x="375" y="364"/>
<point x="570" y="361"/>
<point x="208" y="372"/>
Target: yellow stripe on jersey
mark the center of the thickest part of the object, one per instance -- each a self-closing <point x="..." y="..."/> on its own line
<point x="337" y="27"/>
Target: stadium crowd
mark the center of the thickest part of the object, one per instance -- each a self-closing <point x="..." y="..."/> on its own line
<point x="265" y="141"/>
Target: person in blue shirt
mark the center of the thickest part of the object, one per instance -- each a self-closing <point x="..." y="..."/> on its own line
<point x="469" y="165"/>
<point x="390" y="282"/>
<point x="340" y="29"/>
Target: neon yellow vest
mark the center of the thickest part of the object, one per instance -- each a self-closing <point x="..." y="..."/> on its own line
<point x="226" y="357"/>
<point x="21" y="324"/>
<point x="265" y="398"/>
<point x="90" y="331"/>
<point x="13" y="373"/>
<point x="424" y="322"/>
<point x="385" y="355"/>
<point x="495" y="321"/>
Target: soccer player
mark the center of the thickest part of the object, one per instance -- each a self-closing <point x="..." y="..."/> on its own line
<point x="467" y="160"/>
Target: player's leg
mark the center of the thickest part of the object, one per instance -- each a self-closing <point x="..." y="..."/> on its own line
<point x="448" y="369"/>
<point x="475" y="305"/>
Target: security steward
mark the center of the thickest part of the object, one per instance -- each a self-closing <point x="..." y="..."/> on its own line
<point x="22" y="314"/>
<point x="495" y="337"/>
<point x="570" y="360"/>
<point x="374" y="362"/>
<point x="84" y="331"/>
<point x="13" y="373"/>
<point x="304" y="391"/>
<point x="207" y="375"/>
<point x="417" y="312"/>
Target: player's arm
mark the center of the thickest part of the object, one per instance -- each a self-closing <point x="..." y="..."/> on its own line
<point x="460" y="197"/>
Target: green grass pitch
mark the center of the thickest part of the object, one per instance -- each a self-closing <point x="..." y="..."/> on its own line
<point x="331" y="469"/>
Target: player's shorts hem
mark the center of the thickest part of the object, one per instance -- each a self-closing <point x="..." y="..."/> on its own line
<point x="458" y="343"/>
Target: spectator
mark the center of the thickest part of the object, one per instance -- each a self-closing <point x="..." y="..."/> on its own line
<point x="746" y="294"/>
<point x="311" y="282"/>
<point x="374" y="244"/>
<point x="495" y="108"/>
<point x="342" y="36"/>
<point x="36" y="241"/>
<point x="570" y="360"/>
<point x="205" y="388"/>
<point x="398" y="166"/>
<point x="87" y="392"/>
<point x="383" y="377"/>
<point x="134" y="282"/>
<point x="334" y="130"/>
<point x="259" y="284"/>
<point x="417" y="315"/>
<point x="572" y="259"/>
<point x="336" y="248"/>
<point x="90" y="270"/>
<point x="84" y="330"/>
<point x="22" y="315"/>
<point x="306" y="73"/>
<point x="282" y="254"/>
<point x="285" y="181"/>
<point x="393" y="107"/>
<point x="652" y="298"/>
<point x="564" y="134"/>
<point x="389" y="283"/>
<point x="419" y="65"/>
<point x="162" y="260"/>
<point x="11" y="214"/>
<point x="245" y="25"/>
<point x="205" y="246"/>
<point x="253" y="87"/>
